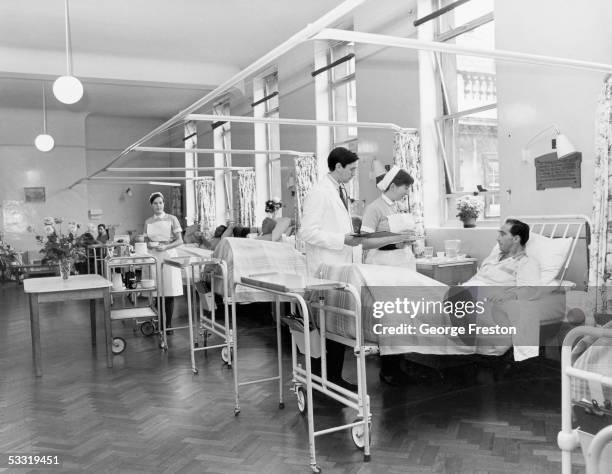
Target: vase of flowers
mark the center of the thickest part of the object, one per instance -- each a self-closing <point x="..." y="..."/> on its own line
<point x="469" y="208"/>
<point x="63" y="249"/>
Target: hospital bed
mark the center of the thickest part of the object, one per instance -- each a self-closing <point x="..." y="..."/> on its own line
<point x="553" y="240"/>
<point x="263" y="271"/>
<point x="586" y="389"/>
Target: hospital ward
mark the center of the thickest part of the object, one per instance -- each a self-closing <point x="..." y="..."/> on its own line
<point x="281" y="236"/>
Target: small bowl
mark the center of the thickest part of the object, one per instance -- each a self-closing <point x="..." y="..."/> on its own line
<point x="147" y="283"/>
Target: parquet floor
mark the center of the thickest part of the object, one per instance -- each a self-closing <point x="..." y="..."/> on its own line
<point x="149" y="414"/>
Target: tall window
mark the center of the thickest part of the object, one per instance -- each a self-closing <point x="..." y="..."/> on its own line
<point x="467" y="126"/>
<point x="343" y="102"/>
<point x="223" y="178"/>
<point x="271" y="110"/>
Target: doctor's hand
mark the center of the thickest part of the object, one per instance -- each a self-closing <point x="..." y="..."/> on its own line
<point x="351" y="240"/>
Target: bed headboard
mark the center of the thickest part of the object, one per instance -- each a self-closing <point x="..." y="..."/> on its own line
<point x="562" y="226"/>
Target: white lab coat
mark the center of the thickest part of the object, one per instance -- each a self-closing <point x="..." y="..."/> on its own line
<point x="325" y="222"/>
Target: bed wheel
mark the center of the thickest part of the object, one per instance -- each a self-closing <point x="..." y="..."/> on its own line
<point x="281" y="405"/>
<point x="227" y="355"/>
<point x="315" y="468"/>
<point x="366" y="458"/>
<point x="302" y="400"/>
<point x="357" y="435"/>
<point x="236" y="411"/>
<point x="147" y="328"/>
<point x="118" y="345"/>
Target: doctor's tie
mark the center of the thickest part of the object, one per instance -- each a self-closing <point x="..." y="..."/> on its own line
<point x="342" y="192"/>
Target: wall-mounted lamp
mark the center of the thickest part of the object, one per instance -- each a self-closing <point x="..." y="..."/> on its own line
<point x="68" y="89"/>
<point x="563" y="146"/>
<point x="44" y="141"/>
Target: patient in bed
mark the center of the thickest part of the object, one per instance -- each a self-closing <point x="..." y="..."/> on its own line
<point x="508" y="266"/>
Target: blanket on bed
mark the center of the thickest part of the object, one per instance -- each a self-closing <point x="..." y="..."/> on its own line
<point x="378" y="284"/>
<point x="251" y="256"/>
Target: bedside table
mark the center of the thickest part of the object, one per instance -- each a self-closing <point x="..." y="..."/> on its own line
<point x="449" y="271"/>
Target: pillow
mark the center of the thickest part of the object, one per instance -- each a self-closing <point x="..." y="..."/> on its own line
<point x="550" y="254"/>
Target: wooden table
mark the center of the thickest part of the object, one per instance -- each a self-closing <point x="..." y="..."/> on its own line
<point x="77" y="287"/>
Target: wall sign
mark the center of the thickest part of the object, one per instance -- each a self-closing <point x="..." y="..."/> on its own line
<point x="34" y="194"/>
<point x="552" y="172"/>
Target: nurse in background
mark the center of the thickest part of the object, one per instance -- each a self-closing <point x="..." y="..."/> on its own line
<point x="383" y="215"/>
<point x="164" y="235"/>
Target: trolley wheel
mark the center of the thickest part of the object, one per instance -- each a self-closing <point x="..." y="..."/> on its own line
<point x="302" y="399"/>
<point x="236" y="411"/>
<point x="315" y="468"/>
<point x="118" y="345"/>
<point x="147" y="328"/>
<point x="195" y="371"/>
<point x="226" y="355"/>
<point x="357" y="434"/>
<point x="281" y="405"/>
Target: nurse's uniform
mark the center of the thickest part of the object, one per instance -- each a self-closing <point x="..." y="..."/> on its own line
<point x="382" y="215"/>
<point x="162" y="229"/>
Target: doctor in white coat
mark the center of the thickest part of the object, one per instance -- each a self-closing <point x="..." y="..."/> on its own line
<point x="326" y="225"/>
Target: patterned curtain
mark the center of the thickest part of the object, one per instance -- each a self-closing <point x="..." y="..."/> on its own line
<point x="305" y="178"/>
<point x="246" y="199"/>
<point x="176" y="207"/>
<point x="407" y="155"/>
<point x="205" y="205"/>
<point x="600" y="259"/>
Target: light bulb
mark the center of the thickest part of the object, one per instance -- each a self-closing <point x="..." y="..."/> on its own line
<point x="44" y="142"/>
<point x="68" y="89"/>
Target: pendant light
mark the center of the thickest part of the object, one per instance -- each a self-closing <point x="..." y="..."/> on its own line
<point x="44" y="142"/>
<point x="68" y="89"/>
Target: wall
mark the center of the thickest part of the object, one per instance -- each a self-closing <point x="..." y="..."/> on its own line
<point x="532" y="97"/>
<point x="82" y="146"/>
<point x="106" y="137"/>
<point x="22" y="165"/>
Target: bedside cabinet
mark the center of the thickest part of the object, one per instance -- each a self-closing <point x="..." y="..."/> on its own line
<point x="447" y="271"/>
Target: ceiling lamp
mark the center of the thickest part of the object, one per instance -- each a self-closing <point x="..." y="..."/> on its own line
<point x="44" y="141"/>
<point x="68" y="89"/>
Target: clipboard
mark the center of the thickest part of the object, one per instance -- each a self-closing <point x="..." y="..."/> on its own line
<point x="372" y="235"/>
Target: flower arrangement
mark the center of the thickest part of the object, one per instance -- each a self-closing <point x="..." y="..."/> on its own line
<point x="469" y="207"/>
<point x="57" y="246"/>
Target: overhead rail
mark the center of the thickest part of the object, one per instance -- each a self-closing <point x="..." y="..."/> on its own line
<point x="305" y="34"/>
<point x="292" y="121"/>
<point x="408" y="43"/>
<point x="199" y="168"/>
<point x="221" y="150"/>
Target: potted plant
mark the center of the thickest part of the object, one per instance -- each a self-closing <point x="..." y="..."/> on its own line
<point x="468" y="210"/>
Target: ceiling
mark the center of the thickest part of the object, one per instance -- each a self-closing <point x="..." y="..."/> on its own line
<point x="146" y="58"/>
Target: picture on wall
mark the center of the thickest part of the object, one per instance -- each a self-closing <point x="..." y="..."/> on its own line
<point x="34" y="194"/>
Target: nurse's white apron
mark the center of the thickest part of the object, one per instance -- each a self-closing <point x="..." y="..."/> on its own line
<point x="398" y="222"/>
<point x="161" y="231"/>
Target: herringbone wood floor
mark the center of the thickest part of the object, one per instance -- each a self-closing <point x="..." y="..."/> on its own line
<point x="150" y="414"/>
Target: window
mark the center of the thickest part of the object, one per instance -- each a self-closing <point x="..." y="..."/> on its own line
<point x="222" y="140"/>
<point x="467" y="126"/>
<point x="271" y="110"/>
<point x="343" y="102"/>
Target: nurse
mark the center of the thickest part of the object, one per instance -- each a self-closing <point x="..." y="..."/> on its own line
<point x="383" y="215"/>
<point x="164" y="235"/>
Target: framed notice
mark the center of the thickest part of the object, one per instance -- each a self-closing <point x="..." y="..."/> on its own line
<point x="34" y="194"/>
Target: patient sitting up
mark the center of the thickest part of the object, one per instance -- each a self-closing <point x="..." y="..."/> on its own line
<point x="509" y="266"/>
